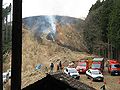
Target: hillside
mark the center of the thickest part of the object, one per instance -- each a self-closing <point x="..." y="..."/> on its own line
<point x="66" y="31"/>
<point x="39" y="48"/>
<point x="44" y="53"/>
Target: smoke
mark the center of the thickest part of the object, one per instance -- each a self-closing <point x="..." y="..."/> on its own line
<point x="52" y="22"/>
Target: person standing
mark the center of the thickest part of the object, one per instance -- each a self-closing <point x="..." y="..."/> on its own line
<point x="60" y="65"/>
<point x="51" y="67"/>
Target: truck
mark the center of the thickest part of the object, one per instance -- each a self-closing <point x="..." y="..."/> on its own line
<point x="82" y="66"/>
<point x="113" y="67"/>
<point x="98" y="63"/>
<point x="95" y="63"/>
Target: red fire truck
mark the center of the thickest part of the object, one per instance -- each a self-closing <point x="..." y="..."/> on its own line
<point x="95" y="63"/>
<point x="98" y="63"/>
<point x="113" y="67"/>
<point x="82" y="66"/>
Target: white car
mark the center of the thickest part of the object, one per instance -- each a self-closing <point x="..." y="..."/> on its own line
<point x="9" y="72"/>
<point x="5" y="77"/>
<point x="94" y="75"/>
<point x="72" y="72"/>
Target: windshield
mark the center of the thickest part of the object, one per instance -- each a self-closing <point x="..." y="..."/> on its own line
<point x="73" y="71"/>
<point x="115" y="66"/>
<point x="82" y="64"/>
<point x="95" y="65"/>
<point x="95" y="72"/>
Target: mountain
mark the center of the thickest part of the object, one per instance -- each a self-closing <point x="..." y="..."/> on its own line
<point x="64" y="30"/>
<point x="41" y="23"/>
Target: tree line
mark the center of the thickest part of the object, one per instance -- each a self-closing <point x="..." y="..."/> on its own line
<point x="102" y="29"/>
<point x="6" y="29"/>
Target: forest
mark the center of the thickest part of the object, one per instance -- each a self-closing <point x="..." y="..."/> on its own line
<point x="6" y="30"/>
<point x="102" y="29"/>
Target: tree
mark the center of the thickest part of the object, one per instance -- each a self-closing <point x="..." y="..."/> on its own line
<point x="6" y="29"/>
<point x="102" y="27"/>
<point x="114" y="26"/>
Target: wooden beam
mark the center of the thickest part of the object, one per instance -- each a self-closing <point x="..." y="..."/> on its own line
<point x="1" y="55"/>
<point x="16" y="45"/>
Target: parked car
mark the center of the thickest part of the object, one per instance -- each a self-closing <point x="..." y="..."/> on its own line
<point x="72" y="72"/>
<point x="94" y="74"/>
<point x="5" y="77"/>
<point x="9" y="72"/>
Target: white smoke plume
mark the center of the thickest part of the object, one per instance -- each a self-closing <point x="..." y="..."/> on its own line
<point x="52" y="22"/>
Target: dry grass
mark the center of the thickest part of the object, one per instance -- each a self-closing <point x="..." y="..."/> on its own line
<point x="34" y="53"/>
<point x="7" y="62"/>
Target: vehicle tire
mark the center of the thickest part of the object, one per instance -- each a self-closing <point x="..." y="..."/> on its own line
<point x="102" y="80"/>
<point x="92" y="79"/>
<point x="88" y="77"/>
<point x="4" y="82"/>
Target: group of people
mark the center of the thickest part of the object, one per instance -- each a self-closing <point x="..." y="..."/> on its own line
<point x="59" y="67"/>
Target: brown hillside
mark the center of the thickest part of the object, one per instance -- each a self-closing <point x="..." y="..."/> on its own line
<point x="34" y="53"/>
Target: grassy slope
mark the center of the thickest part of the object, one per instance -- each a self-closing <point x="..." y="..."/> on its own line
<point x="34" y="53"/>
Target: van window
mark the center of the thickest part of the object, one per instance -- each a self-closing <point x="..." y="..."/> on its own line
<point x="115" y="66"/>
<point x="95" y="65"/>
<point x="89" y="71"/>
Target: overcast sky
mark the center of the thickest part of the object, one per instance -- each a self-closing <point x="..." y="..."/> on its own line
<point x="73" y="8"/>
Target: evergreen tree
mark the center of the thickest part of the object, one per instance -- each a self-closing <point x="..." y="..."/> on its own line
<point x="102" y="27"/>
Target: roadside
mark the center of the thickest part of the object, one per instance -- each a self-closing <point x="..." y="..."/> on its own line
<point x="111" y="82"/>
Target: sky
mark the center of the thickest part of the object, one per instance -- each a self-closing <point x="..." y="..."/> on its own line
<point x="73" y="8"/>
